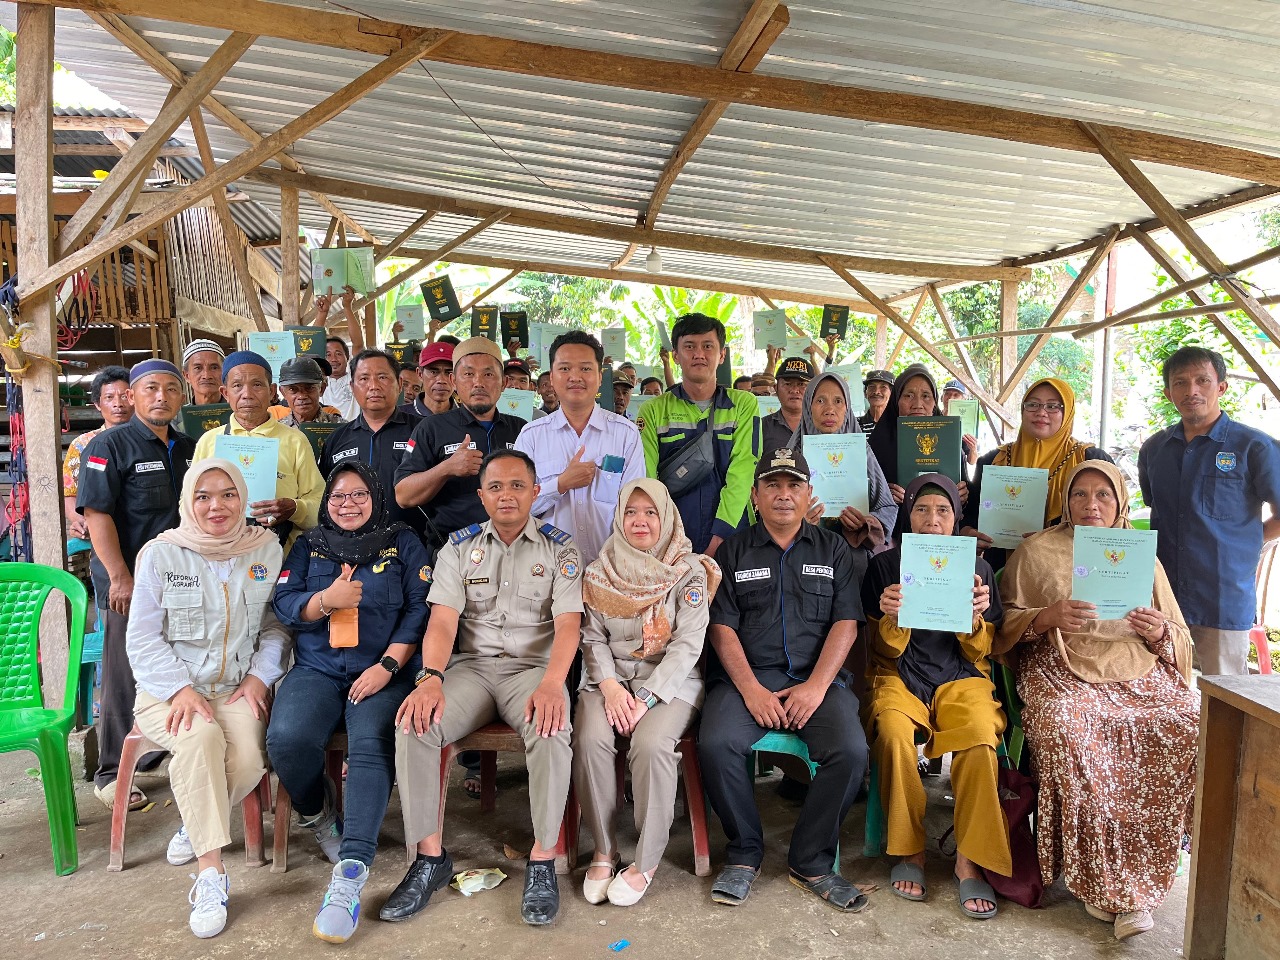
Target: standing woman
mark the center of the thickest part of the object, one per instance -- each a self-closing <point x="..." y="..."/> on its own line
<point x="352" y="674"/>
<point x="1044" y="440"/>
<point x="205" y="648"/>
<point x="915" y="394"/>
<point x="647" y="600"/>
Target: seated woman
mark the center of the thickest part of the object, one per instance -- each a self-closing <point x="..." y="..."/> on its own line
<point x="915" y="394"/>
<point x="205" y="648"/>
<point x="349" y="672"/>
<point x="937" y="684"/>
<point x="1108" y="714"/>
<point x="1044" y="440"/>
<point x="647" y="600"/>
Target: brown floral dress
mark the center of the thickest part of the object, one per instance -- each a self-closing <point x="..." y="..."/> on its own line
<point x="1117" y="770"/>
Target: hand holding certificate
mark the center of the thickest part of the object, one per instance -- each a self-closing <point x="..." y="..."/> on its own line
<point x="937" y="582"/>
<point x="258" y="459"/>
<point x="839" y="465"/>
<point x="1114" y="569"/>
<point x="1012" y="504"/>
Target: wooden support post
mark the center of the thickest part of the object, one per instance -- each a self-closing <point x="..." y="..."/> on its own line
<point x="288" y="256"/>
<point x="33" y="137"/>
<point x="1241" y="344"/>
<point x="945" y="316"/>
<point x="882" y="341"/>
<point x="492" y="288"/>
<point x="896" y="352"/>
<point x="405" y="235"/>
<point x="1096" y="260"/>
<point x="236" y="249"/>
<point x="1008" y="323"/>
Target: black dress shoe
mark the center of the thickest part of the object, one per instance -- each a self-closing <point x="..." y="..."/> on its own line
<point x="541" y="901"/>
<point x="414" y="891"/>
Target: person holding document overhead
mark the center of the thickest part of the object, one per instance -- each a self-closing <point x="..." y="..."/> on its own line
<point x="1108" y="713"/>
<point x="936" y="683"/>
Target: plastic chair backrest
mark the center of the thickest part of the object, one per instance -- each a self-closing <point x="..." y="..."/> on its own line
<point x="783" y="741"/>
<point x="1141" y="523"/>
<point x="24" y="588"/>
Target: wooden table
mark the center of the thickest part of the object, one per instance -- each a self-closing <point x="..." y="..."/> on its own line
<point x="1233" y="907"/>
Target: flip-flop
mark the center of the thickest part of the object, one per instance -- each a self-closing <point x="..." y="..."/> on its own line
<point x="733" y="886"/>
<point x="107" y="796"/>
<point x="472" y="791"/>
<point x="834" y="889"/>
<point x="972" y="889"/>
<point x="907" y="872"/>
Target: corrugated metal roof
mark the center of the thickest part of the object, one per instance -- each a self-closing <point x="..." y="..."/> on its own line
<point x="795" y="179"/>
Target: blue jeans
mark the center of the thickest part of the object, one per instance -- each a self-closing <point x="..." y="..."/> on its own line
<point x="309" y="707"/>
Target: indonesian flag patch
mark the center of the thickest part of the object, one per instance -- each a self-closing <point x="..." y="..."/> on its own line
<point x="284" y="577"/>
<point x="96" y="463"/>
<point x="410" y="445"/>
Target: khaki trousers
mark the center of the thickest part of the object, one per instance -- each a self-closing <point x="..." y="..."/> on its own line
<point x="214" y="766"/>
<point x="1218" y="652"/>
<point x="478" y="692"/>
<point x="654" y="763"/>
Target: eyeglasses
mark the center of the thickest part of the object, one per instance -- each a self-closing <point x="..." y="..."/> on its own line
<point x="337" y="499"/>
<point x="1035" y="406"/>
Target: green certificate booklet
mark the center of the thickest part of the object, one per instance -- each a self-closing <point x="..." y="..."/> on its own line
<point x="318" y="433"/>
<point x="928" y="445"/>
<point x="333" y="268"/>
<point x="258" y="459"/>
<point x="1114" y="569"/>
<point x="937" y="582"/>
<point x="518" y="403"/>
<point x="1013" y="501"/>
<point x="835" y="321"/>
<point x="839" y="465"/>
<point x="275" y="348"/>
<point x="199" y="418"/>
<point x="770" y="328"/>
<point x="967" y="411"/>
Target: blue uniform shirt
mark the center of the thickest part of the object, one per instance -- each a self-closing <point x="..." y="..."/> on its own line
<point x="1206" y="501"/>
<point x="393" y="606"/>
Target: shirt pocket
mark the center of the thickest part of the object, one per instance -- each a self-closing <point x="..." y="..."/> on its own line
<point x="757" y="602"/>
<point x="533" y="602"/>
<point x="817" y="599"/>
<point x="321" y="573"/>
<point x="255" y="600"/>
<point x="184" y="611"/>
<point x="607" y="486"/>
<point x="482" y="600"/>
<point x="1223" y="495"/>
<point x="151" y="493"/>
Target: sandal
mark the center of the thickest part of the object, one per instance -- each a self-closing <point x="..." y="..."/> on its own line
<point x="834" y="889"/>
<point x="597" y="891"/>
<point x="107" y="795"/>
<point x="471" y="784"/>
<point x="1099" y="914"/>
<point x="908" y="872"/>
<point x="733" y="886"/>
<point x="972" y="889"/>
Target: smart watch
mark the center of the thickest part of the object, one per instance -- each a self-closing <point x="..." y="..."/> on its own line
<point x="649" y="699"/>
<point x="427" y="672"/>
<point x="389" y="664"/>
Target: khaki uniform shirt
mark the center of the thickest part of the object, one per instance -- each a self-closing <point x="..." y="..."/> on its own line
<point x="507" y="596"/>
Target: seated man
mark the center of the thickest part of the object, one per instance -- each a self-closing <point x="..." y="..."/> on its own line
<point x="508" y="592"/>
<point x="782" y="623"/>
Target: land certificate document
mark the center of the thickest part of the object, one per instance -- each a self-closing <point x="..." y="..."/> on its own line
<point x="937" y="582"/>
<point x="838" y="463"/>
<point x="1114" y="569"/>
<point x="258" y="459"/>
<point x="1013" y="501"/>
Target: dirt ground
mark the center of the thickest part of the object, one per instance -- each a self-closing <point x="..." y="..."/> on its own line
<point x="142" y="912"/>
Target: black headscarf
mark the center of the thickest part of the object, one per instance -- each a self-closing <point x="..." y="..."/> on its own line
<point x="884" y="438"/>
<point x="364" y="544"/>
<point x="914" y="489"/>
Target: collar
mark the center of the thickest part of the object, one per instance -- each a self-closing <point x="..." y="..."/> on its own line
<point x="271" y="427"/>
<point x="760" y="534"/>
<point x="530" y="531"/>
<point x="1217" y="433"/>
<point x="598" y="420"/>
<point x="144" y="432"/>
<point x="719" y="399"/>
<point x="398" y="416"/>
<point x="466" y="416"/>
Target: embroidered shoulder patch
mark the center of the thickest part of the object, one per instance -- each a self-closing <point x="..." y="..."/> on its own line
<point x="554" y="533"/>
<point x="425" y="573"/>
<point x="258" y="572"/>
<point x="465" y="534"/>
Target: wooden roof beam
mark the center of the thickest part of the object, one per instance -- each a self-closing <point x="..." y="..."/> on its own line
<point x="345" y="31"/>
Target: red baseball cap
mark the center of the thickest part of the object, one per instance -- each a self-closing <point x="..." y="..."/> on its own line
<point x="434" y="353"/>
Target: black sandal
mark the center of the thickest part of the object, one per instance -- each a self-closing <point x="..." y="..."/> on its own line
<point x="733" y="886"/>
<point x="834" y="889"/>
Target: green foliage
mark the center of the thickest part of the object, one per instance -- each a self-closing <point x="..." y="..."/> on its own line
<point x="9" y="70"/>
<point x="1267" y="223"/>
<point x="584" y="302"/>
<point x="665" y="305"/>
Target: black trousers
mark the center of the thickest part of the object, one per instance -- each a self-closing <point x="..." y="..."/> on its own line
<point x="836" y="743"/>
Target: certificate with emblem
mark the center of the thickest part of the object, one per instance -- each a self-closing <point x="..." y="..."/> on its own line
<point x="614" y="341"/>
<point x="517" y="403"/>
<point x="1114" y="569"/>
<point x="258" y="459"/>
<point x="317" y="433"/>
<point x="851" y="374"/>
<point x="1013" y="501"/>
<point x="928" y="445"/>
<point x="936" y="574"/>
<point x="770" y="328"/>
<point x="967" y="411"/>
<point x="199" y="418"/>
<point x="768" y="405"/>
<point x="838" y="462"/>
<point x="274" y="347"/>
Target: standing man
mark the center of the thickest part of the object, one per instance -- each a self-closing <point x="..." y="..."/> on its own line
<point x="627" y="372"/>
<point x="379" y="435"/>
<point x="337" y="393"/>
<point x="435" y="368"/>
<point x="516" y="375"/>
<point x="445" y="450"/>
<point x="782" y="623"/>
<point x="506" y="618"/>
<point x="550" y="402"/>
<point x="129" y="488"/>
<point x="764" y="385"/>
<point x="202" y="369"/>
<point x="622" y="396"/>
<point x="246" y="385"/>
<point x="301" y="380"/>
<point x="1205" y="479"/>
<point x="109" y="394"/>
<point x="955" y="390"/>
<point x="777" y="428"/>
<point x="702" y="440"/>
<point x="583" y="454"/>
<point x="410" y="383"/>
<point x="877" y="386"/>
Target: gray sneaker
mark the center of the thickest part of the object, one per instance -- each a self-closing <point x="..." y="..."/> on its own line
<point x="340" y="911"/>
<point x="325" y="826"/>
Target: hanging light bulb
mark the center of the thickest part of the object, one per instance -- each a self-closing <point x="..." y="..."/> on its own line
<point x="653" y="262"/>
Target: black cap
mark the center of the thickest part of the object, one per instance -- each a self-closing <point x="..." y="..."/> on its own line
<point x="796" y="367"/>
<point x="301" y="370"/>
<point x="879" y="376"/>
<point x="785" y="460"/>
<point x="516" y="366"/>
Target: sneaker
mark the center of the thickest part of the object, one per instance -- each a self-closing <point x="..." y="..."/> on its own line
<point x="340" y="911"/>
<point x="180" y="850"/>
<point x="324" y="826"/>
<point x="208" y="899"/>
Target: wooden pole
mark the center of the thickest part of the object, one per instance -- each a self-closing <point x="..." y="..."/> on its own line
<point x="33" y="136"/>
<point x="945" y="316"/>
<point x="289" y="256"/>
<point x="882" y="341"/>
<point x="1008" y="323"/>
<point x="492" y="288"/>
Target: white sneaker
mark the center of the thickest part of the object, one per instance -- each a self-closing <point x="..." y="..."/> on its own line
<point x="180" y="849"/>
<point x="208" y="899"/>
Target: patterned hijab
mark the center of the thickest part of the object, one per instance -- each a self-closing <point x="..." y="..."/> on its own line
<point x="626" y="583"/>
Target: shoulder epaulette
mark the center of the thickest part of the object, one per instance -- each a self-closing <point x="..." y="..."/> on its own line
<point x="465" y="534"/>
<point x="554" y="533"/>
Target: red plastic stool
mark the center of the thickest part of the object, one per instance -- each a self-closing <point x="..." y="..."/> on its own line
<point x="1259" y="637"/>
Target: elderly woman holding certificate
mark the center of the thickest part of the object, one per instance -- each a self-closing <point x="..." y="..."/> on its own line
<point x="935" y="683"/>
<point x="1044" y="442"/>
<point x="1109" y="715"/>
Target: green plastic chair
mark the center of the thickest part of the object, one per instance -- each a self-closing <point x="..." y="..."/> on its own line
<point x="1141" y="523"/>
<point x="782" y="741"/>
<point x="25" y="722"/>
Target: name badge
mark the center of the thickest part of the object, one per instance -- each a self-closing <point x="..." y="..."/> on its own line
<point x="476" y="580"/>
<point x="817" y="570"/>
<point x="344" y="454"/>
<point x="149" y="467"/>
<point x="400" y="445"/>
<point x="451" y="448"/>
<point x="761" y="573"/>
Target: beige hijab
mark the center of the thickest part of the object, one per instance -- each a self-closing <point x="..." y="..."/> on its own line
<point x="237" y="541"/>
<point x="626" y="583"/>
<point x="1038" y="574"/>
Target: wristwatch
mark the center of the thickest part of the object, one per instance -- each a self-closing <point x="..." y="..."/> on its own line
<point x="427" y="672"/>
<point x="389" y="664"/>
<point x="649" y="699"/>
